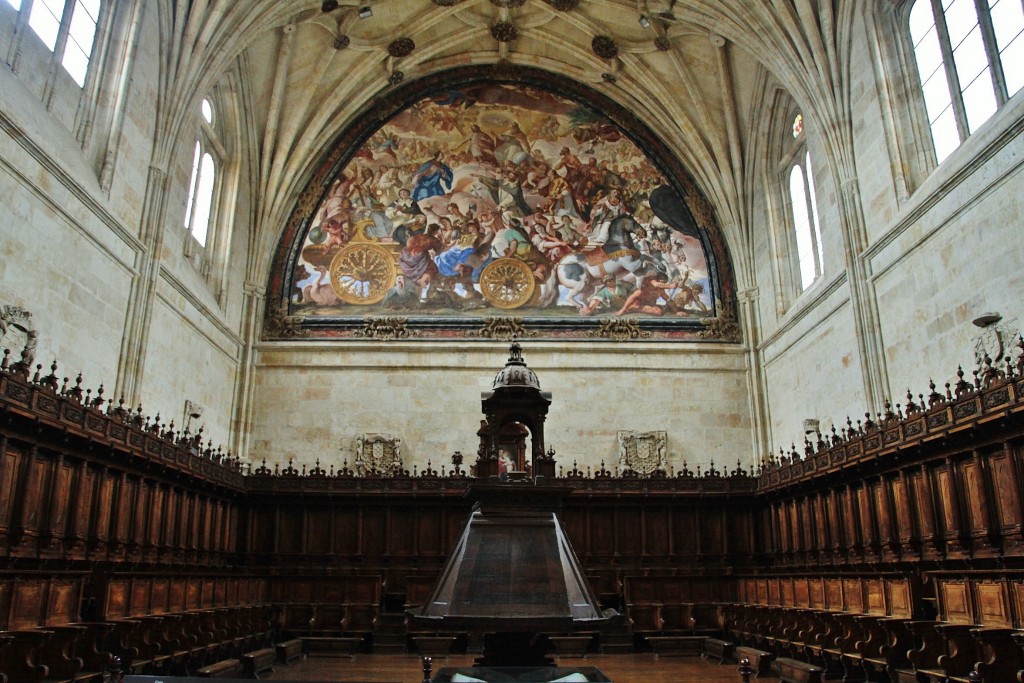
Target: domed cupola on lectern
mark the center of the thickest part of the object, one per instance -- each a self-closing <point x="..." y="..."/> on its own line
<point x="515" y="409"/>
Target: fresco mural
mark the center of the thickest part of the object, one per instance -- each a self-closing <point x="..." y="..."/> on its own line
<point x="500" y="199"/>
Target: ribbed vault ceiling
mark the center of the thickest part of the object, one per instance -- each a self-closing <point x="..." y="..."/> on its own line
<point x="690" y="74"/>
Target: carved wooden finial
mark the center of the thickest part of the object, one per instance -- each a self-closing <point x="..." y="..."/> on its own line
<point x="745" y="670"/>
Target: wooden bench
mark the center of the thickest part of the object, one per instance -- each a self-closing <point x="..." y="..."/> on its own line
<point x="256" y="662"/>
<point x="227" y="668"/>
<point x="759" y="659"/>
<point x="716" y="647"/>
<point x="289" y="650"/>
<point x="433" y="645"/>
<point x="676" y="646"/>
<point x="571" y="646"/>
<point x="330" y="647"/>
<point x="794" y="671"/>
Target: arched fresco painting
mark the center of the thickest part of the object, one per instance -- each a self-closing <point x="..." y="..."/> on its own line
<point x="495" y="200"/>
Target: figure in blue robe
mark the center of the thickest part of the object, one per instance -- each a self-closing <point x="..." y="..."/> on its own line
<point x="431" y="179"/>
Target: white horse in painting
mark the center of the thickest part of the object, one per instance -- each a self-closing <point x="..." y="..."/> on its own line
<point x="618" y="256"/>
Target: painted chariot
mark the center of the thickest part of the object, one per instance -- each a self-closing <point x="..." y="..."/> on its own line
<point x="362" y="271"/>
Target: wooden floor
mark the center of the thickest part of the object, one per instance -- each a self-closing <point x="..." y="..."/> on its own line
<point x="408" y="669"/>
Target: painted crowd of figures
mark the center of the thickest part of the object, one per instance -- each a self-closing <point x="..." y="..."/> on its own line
<point x="457" y="182"/>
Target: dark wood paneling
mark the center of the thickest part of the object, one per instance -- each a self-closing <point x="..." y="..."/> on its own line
<point x="402" y="524"/>
<point x="28" y="599"/>
<point x="657" y="531"/>
<point x="430" y="538"/>
<point x="602" y="532"/>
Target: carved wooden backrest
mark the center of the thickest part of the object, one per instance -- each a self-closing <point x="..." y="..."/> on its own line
<point x="643" y="452"/>
<point x="379" y="453"/>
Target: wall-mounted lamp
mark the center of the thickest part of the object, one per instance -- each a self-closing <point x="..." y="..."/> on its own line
<point x="986" y="319"/>
<point x="644" y="21"/>
<point x="810" y="426"/>
<point x="365" y="12"/>
<point x="193" y="411"/>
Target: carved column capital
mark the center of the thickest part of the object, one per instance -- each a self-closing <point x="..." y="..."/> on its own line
<point x="748" y="295"/>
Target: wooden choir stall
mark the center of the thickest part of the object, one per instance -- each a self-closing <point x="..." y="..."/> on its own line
<point x="889" y="551"/>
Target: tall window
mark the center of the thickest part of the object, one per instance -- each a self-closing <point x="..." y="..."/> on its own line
<point x="204" y="177"/>
<point x="67" y="28"/>
<point x="805" y="213"/>
<point x="970" y="57"/>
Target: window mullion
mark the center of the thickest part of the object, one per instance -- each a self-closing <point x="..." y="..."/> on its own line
<point x="20" y="27"/>
<point x="193" y="190"/>
<point x="195" y="197"/>
<point x="988" y="38"/>
<point x="58" y="53"/>
<point x="63" y="31"/>
<point x="812" y="219"/>
<point x="955" y="91"/>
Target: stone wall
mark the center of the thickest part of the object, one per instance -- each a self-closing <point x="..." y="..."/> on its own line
<point x="311" y="400"/>
<point x="76" y="255"/>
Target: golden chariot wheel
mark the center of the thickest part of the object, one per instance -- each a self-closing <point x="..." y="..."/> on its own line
<point x="362" y="273"/>
<point x="507" y="283"/>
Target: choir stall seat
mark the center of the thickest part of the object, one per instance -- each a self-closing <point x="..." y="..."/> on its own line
<point x="958" y="657"/>
<point x="883" y="653"/>
<point x="833" y="642"/>
<point x="73" y="654"/>
<point x="807" y="646"/>
<point x="162" y="649"/>
<point x="4" y="643"/>
<point x="19" y="659"/>
<point x="1000" y="657"/>
<point x="928" y="646"/>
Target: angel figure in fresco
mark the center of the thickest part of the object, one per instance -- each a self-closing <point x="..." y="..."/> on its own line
<point x="384" y="143"/>
<point x="431" y="178"/>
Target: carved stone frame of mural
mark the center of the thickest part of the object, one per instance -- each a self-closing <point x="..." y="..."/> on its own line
<point x="643" y="452"/>
<point x="379" y="454"/>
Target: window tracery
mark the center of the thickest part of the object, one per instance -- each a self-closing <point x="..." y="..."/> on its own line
<point x="67" y="29"/>
<point x="969" y="55"/>
<point x="200" y="208"/>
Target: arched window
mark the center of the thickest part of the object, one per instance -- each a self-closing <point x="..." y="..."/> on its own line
<point x="806" y="228"/>
<point x="200" y="197"/>
<point x="203" y="182"/>
<point x="970" y="59"/>
<point x="67" y="28"/>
